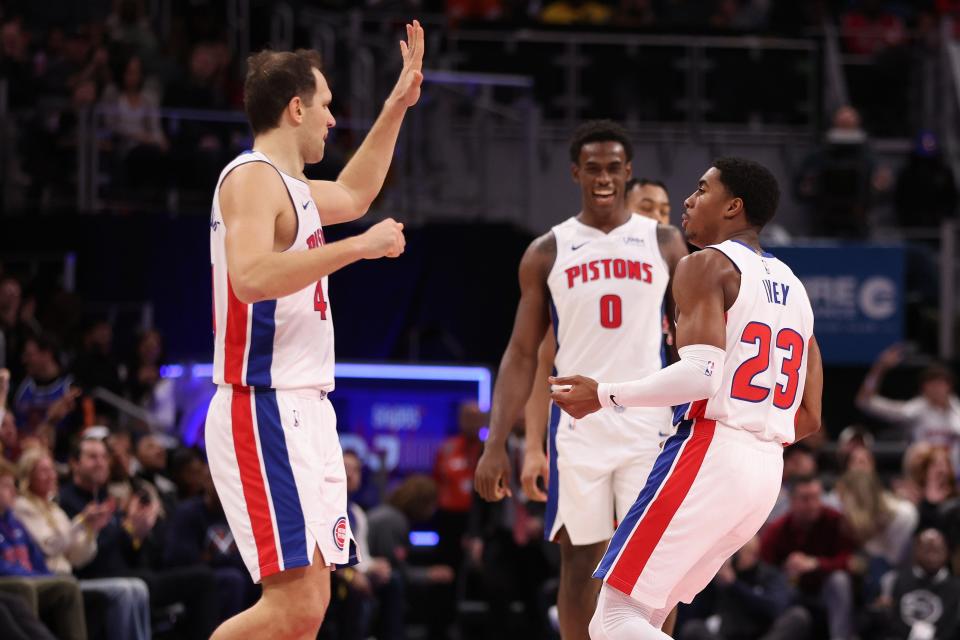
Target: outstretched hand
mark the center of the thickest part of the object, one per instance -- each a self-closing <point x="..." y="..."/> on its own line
<point x="576" y="395"/>
<point x="407" y="89"/>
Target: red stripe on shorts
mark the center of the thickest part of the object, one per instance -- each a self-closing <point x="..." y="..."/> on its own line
<point x="655" y="521"/>
<point x="254" y="492"/>
<point x="235" y="340"/>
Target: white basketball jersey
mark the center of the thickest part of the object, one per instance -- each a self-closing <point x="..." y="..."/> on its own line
<point x="285" y="343"/>
<point x="769" y="327"/>
<point x="607" y="294"/>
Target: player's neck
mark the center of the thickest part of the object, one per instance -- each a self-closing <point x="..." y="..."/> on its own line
<point x="749" y="237"/>
<point x="282" y="151"/>
<point x="604" y="221"/>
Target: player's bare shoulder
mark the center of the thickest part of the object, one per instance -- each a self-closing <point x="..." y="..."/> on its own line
<point x="708" y="270"/>
<point x="540" y="255"/>
<point x="252" y="187"/>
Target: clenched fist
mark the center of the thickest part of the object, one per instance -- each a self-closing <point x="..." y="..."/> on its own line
<point x="384" y="239"/>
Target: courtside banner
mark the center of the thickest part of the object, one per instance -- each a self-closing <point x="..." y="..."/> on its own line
<point x="857" y="293"/>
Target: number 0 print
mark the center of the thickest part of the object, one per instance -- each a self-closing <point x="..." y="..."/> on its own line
<point x="611" y="311"/>
<point x="319" y="302"/>
<point x="760" y="334"/>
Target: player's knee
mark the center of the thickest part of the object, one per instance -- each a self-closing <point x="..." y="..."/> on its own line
<point x="306" y="618"/>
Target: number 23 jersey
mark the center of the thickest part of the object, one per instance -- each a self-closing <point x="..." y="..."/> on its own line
<point x="607" y="292"/>
<point x="769" y="327"/>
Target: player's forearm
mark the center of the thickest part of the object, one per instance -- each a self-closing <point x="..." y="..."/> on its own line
<point x="275" y="275"/>
<point x="364" y="175"/>
<point x="510" y="393"/>
<point x="696" y="376"/>
<point x="807" y="423"/>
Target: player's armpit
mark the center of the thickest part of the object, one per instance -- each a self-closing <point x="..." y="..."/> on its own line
<point x="808" y="415"/>
<point x="698" y="291"/>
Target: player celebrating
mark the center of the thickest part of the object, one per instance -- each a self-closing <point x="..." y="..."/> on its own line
<point x="602" y="275"/>
<point x="748" y="382"/>
<point x="271" y="432"/>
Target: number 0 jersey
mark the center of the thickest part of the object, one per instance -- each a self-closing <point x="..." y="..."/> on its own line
<point x="769" y="327"/>
<point x="607" y="292"/>
<point x="285" y="343"/>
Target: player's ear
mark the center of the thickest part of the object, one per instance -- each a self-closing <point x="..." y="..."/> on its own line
<point x="575" y="172"/>
<point x="295" y="109"/>
<point x="734" y="207"/>
<point x="628" y="168"/>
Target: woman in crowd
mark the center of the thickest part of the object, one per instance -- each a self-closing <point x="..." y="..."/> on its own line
<point x="68" y="544"/>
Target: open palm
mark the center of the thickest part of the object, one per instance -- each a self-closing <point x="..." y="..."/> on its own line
<point x="407" y="89"/>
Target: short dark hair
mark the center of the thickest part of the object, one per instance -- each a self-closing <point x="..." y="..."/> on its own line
<point x="599" y="131"/>
<point x="273" y="79"/>
<point x="754" y="184"/>
<point x="937" y="372"/>
<point x="76" y="447"/>
<point x="642" y="182"/>
<point x="800" y="481"/>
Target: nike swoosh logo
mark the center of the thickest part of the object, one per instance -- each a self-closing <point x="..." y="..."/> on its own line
<point x="306" y="204"/>
<point x="577" y="246"/>
<point x="613" y="399"/>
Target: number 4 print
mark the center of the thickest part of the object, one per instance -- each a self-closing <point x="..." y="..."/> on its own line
<point x="762" y="335"/>
<point x="319" y="302"/>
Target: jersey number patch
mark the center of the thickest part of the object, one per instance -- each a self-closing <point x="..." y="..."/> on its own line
<point x="611" y="311"/>
<point x="784" y="395"/>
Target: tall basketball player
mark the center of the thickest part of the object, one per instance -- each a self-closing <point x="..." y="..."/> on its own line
<point x="602" y="276"/>
<point x="748" y="382"/>
<point x="271" y="432"/>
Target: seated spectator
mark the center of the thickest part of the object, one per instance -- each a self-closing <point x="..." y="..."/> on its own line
<point x="933" y="416"/>
<point x="150" y="465"/>
<point x="188" y="471"/>
<point x="54" y="599"/>
<point x="798" y="462"/>
<point x="936" y="481"/>
<point x="146" y="388"/>
<point x="69" y="544"/>
<point x="126" y="546"/>
<point x="811" y="544"/>
<point x="139" y="143"/>
<point x="881" y="523"/>
<point x="921" y="600"/>
<point x="45" y="397"/>
<point x="198" y="533"/>
<point x="753" y="601"/>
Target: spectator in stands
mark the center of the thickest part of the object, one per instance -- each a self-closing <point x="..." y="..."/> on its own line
<point x="753" y="600"/>
<point x="9" y="438"/>
<point x="126" y="546"/>
<point x="46" y="396"/>
<point x="414" y="501"/>
<point x="881" y="523"/>
<point x="649" y="198"/>
<point x="926" y="191"/>
<point x="128" y="28"/>
<point x="95" y="365"/>
<point x="933" y="475"/>
<point x="154" y="394"/>
<point x="198" y="533"/>
<point x="140" y="145"/>
<point x="69" y="544"/>
<point x="55" y="599"/>
<point x="188" y="471"/>
<point x="921" y="600"/>
<point x="150" y="466"/>
<point x="811" y="544"/>
<point x="575" y="12"/>
<point x="933" y="416"/>
<point x="839" y="180"/>
<point x="453" y="471"/>
<point x="798" y="462"/>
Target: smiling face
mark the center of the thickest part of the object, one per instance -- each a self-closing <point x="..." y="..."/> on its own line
<point x="707" y="208"/>
<point x="316" y="120"/>
<point x="602" y="173"/>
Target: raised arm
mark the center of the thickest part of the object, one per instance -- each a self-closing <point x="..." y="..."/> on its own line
<point x="252" y="196"/>
<point x="517" y="367"/>
<point x="808" y="415"/>
<point x="360" y="181"/>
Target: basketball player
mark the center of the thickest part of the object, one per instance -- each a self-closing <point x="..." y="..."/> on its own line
<point x="271" y="432"/>
<point x="649" y="198"/>
<point x="602" y="276"/>
<point x="748" y="382"/>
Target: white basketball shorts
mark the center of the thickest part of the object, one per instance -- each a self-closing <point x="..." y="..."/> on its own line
<point x="598" y="465"/>
<point x="277" y="466"/>
<point x="709" y="492"/>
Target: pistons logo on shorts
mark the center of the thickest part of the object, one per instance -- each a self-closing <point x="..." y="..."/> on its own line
<point x="340" y="533"/>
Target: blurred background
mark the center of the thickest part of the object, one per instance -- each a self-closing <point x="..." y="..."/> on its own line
<point x="116" y="117"/>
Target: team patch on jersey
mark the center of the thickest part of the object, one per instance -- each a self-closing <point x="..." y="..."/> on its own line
<point x="340" y="532"/>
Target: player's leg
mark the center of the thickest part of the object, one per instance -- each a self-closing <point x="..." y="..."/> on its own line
<point x="620" y="617"/>
<point x="291" y="608"/>
<point x="577" y="595"/>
